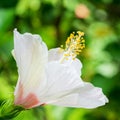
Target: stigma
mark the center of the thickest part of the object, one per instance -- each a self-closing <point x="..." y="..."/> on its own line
<point x="74" y="45"/>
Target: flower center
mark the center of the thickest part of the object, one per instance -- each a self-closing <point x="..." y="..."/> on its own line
<point x="74" y="45"/>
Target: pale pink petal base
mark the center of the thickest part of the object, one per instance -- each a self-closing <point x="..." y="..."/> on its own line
<point x="27" y="102"/>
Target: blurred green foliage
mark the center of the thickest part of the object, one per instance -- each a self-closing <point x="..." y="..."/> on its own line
<point x="54" y="20"/>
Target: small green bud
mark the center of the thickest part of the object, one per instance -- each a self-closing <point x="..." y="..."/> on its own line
<point x="9" y="110"/>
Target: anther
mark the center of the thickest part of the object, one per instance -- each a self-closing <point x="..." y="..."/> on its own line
<point x="74" y="45"/>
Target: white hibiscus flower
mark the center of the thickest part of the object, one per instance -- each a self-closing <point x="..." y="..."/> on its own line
<point x="52" y="77"/>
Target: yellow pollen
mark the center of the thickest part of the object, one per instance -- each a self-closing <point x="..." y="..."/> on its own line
<point x="74" y="45"/>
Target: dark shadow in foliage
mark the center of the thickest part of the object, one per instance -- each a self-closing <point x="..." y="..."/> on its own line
<point x="7" y="3"/>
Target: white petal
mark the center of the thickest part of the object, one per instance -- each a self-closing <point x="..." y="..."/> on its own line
<point x="31" y="56"/>
<point x="77" y="65"/>
<point x="88" y="96"/>
<point x="62" y="80"/>
<point x="56" y="54"/>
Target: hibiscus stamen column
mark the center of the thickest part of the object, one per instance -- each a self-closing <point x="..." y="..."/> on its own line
<point x="74" y="45"/>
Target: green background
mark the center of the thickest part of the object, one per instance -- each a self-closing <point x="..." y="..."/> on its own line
<point x="54" y="20"/>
